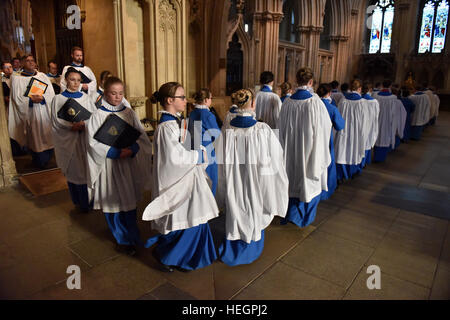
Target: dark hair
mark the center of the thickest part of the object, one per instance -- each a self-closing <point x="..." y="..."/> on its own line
<point x="75" y="49"/>
<point x="15" y="58"/>
<point x="112" y="81"/>
<point x="266" y="77"/>
<point x="323" y="90"/>
<point x="395" y="89"/>
<point x="356" y="84"/>
<point x="366" y="87"/>
<point x="201" y="95"/>
<point x="304" y="75"/>
<point x="425" y="85"/>
<point x="377" y="85"/>
<point x="165" y="92"/>
<point x="387" y="83"/>
<point x="419" y="87"/>
<point x="285" y="87"/>
<point x="345" y="87"/>
<point x="104" y="74"/>
<point x="71" y="70"/>
<point x="51" y="61"/>
<point x="26" y="56"/>
<point x="334" y="84"/>
<point x="5" y="62"/>
<point x="404" y="92"/>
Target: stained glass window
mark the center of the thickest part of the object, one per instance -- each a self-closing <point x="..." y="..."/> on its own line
<point x="434" y="26"/>
<point x="381" y="31"/>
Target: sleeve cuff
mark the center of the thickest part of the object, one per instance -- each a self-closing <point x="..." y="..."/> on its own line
<point x="135" y="149"/>
<point x="113" y="153"/>
<point x="43" y="101"/>
<point x="30" y="103"/>
<point x="200" y="156"/>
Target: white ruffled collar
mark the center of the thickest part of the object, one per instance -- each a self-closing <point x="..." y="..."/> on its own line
<point x="110" y="107"/>
<point x="198" y="106"/>
<point x="245" y="113"/>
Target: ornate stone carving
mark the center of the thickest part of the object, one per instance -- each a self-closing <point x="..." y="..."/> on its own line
<point x="167" y="16"/>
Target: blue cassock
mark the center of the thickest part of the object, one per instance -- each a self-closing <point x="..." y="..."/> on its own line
<point x="237" y="252"/>
<point x="301" y="213"/>
<point x="409" y="107"/>
<point x="338" y="124"/>
<point x="189" y="249"/>
<point x="346" y="171"/>
<point x="380" y="153"/>
<point x="207" y="122"/>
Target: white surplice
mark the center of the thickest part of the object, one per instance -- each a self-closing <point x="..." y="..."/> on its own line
<point x="305" y="131"/>
<point x="117" y="184"/>
<point x="350" y="143"/>
<point x="181" y="195"/>
<point x="268" y="106"/>
<point x="373" y="112"/>
<point x="253" y="185"/>
<point x="30" y="126"/>
<point x="70" y="146"/>
<point x="392" y="120"/>
<point x="422" y="113"/>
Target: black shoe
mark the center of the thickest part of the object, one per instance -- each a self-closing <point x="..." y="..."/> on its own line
<point x="183" y="270"/>
<point x="127" y="249"/>
<point x="162" y="267"/>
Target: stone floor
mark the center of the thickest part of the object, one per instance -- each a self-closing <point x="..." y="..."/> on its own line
<point x="395" y="215"/>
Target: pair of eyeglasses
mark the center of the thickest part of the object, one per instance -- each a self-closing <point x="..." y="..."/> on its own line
<point x="180" y="97"/>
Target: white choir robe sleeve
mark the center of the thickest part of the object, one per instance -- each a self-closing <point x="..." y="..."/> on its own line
<point x="181" y="195"/>
<point x="401" y="118"/>
<point x="64" y="139"/>
<point x="319" y="152"/>
<point x="20" y="114"/>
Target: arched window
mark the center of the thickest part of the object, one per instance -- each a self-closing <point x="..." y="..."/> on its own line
<point x="381" y="30"/>
<point x="287" y="25"/>
<point x="434" y="26"/>
<point x="325" y="35"/>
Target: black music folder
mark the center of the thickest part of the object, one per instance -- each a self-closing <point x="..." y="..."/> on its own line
<point x="72" y="111"/>
<point x="84" y="78"/>
<point x="117" y="133"/>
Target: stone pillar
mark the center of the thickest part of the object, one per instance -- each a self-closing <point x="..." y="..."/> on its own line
<point x="165" y="45"/>
<point x="267" y="18"/>
<point x="339" y="45"/>
<point x="8" y="167"/>
<point x="402" y="44"/>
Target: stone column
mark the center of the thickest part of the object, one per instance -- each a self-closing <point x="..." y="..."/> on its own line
<point x="8" y="167"/>
<point x="267" y="18"/>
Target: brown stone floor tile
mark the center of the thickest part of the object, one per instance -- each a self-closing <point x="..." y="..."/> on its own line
<point x="121" y="278"/>
<point x="95" y="250"/>
<point x="168" y="291"/>
<point x="278" y="240"/>
<point x="392" y="288"/>
<point x="362" y="228"/>
<point x="407" y="260"/>
<point x="20" y="280"/>
<point x="441" y="285"/>
<point x="283" y="282"/>
<point x="329" y="257"/>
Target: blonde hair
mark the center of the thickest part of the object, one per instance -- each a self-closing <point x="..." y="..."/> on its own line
<point x="242" y="98"/>
<point x="356" y="84"/>
<point x="285" y="87"/>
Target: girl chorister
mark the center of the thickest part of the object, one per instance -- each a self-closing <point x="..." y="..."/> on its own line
<point x="183" y="202"/>
<point x="69" y="137"/>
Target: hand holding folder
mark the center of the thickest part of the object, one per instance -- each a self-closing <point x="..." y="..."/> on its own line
<point x="116" y="132"/>
<point x="35" y="87"/>
<point x="73" y="112"/>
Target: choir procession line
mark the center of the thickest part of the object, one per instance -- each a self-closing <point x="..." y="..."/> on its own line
<point x="270" y="156"/>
